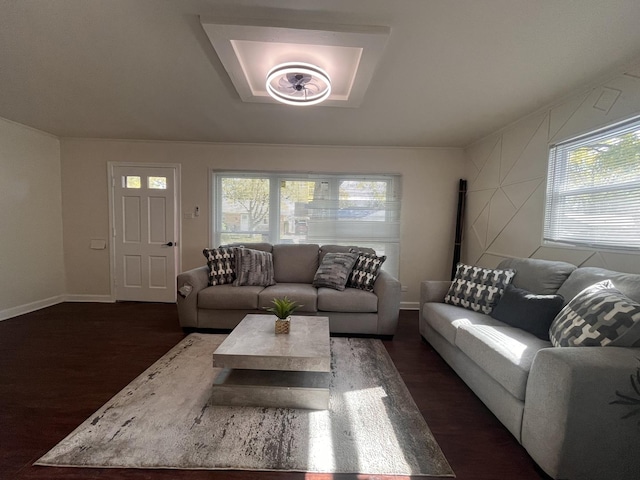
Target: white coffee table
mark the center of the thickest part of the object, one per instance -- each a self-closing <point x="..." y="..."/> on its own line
<point x="262" y="368"/>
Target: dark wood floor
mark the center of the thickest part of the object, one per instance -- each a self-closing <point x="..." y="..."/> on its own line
<point x="60" y="364"/>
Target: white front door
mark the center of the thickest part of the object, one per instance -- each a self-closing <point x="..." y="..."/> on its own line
<point x="145" y="232"/>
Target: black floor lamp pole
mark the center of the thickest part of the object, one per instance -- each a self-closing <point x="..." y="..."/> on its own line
<point x="462" y="193"/>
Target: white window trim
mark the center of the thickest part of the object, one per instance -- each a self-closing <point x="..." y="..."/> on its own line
<point x="558" y="160"/>
<point x="391" y="265"/>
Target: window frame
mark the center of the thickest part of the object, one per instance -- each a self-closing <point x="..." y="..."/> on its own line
<point x="557" y="180"/>
<point x="334" y="180"/>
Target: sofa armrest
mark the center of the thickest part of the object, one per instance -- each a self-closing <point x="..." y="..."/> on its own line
<point x="387" y="289"/>
<point x="433" y="291"/>
<point x="572" y="426"/>
<point x="198" y="278"/>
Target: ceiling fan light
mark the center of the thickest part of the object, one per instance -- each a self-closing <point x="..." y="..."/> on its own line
<point x="282" y="86"/>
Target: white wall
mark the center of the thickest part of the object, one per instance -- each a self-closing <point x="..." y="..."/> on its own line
<point x="507" y="177"/>
<point x="31" y="257"/>
<point x="430" y="182"/>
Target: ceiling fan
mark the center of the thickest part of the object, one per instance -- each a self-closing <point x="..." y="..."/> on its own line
<point x="298" y="84"/>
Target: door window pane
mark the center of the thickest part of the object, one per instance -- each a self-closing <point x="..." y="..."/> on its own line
<point x="132" y="181"/>
<point x="157" y="183"/>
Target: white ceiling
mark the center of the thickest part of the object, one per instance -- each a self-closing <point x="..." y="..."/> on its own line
<point x="451" y="71"/>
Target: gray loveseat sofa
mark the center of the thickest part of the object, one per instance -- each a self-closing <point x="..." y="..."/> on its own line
<point x="572" y="408"/>
<point x="351" y="311"/>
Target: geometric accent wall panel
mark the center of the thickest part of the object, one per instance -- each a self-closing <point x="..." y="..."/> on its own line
<point x="479" y="153"/>
<point x="501" y="210"/>
<point x="521" y="237"/>
<point x="477" y="201"/>
<point x="480" y="227"/>
<point x="489" y="176"/>
<point x="608" y="96"/>
<point x="518" y="193"/>
<point x="507" y="177"/>
<point x="621" y="262"/>
<point x="562" y="114"/>
<point x="528" y="165"/>
<point x="475" y="240"/>
<point x="575" y="256"/>
<point x="633" y="71"/>
<point x="515" y="141"/>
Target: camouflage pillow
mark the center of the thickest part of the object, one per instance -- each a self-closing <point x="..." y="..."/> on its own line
<point x="253" y="267"/>
<point x="334" y="270"/>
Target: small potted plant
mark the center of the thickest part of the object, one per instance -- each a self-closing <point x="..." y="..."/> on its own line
<point x="282" y="309"/>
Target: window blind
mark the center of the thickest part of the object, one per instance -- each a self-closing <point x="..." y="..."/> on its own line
<point x="593" y="189"/>
<point x="342" y="209"/>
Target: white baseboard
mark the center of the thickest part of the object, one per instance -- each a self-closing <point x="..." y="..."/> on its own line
<point x="30" y="307"/>
<point x="89" y="298"/>
<point x="409" y="305"/>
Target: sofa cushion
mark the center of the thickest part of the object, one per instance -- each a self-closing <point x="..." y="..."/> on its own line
<point x="348" y="300"/>
<point x="584" y="277"/>
<point x="503" y="352"/>
<point x="446" y="319"/>
<point x="334" y="270"/>
<point x="600" y="315"/>
<point x="253" y="267"/>
<point x="303" y="294"/>
<point x="228" y="297"/>
<point x="295" y="263"/>
<point x="530" y="312"/>
<point x="222" y="265"/>
<point x="365" y="271"/>
<point x="477" y="288"/>
<point x="543" y="277"/>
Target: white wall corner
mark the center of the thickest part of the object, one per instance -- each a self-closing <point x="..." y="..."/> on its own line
<point x="30" y="307"/>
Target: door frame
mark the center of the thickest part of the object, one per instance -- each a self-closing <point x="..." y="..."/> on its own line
<point x="111" y="166"/>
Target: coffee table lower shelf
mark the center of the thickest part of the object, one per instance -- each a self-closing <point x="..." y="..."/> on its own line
<point x="270" y="388"/>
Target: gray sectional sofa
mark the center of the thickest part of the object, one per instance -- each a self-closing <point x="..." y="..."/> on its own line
<point x="572" y="408"/>
<point x="351" y="311"/>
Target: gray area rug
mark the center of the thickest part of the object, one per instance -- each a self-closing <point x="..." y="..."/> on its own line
<point x="163" y="420"/>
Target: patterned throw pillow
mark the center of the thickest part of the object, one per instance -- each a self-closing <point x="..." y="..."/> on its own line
<point x="478" y="288"/>
<point x="253" y="267"/>
<point x="599" y="315"/>
<point x="365" y="271"/>
<point x="334" y="270"/>
<point x="222" y="265"/>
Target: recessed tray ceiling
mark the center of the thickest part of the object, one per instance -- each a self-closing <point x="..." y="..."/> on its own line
<point x="349" y="54"/>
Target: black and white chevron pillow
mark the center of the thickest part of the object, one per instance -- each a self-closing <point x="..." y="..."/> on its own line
<point x="600" y="315"/>
<point x="477" y="288"/>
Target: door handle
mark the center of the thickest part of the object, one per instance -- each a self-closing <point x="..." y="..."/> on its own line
<point x="170" y="244"/>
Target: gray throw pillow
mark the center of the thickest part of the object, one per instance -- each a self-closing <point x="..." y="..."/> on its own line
<point x="253" y="267"/>
<point x="334" y="270"/>
<point x="222" y="265"/>
<point x="599" y="315"/>
<point x="525" y="310"/>
<point x="477" y="288"/>
<point x="365" y="271"/>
